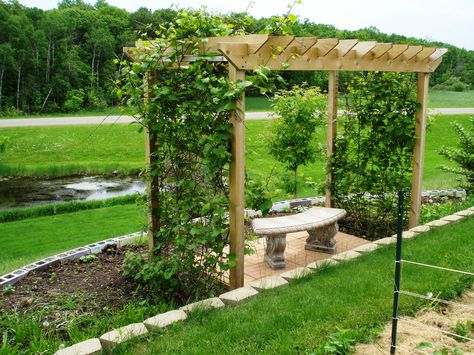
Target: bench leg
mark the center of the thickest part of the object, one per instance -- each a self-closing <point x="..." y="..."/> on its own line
<point x="322" y="239"/>
<point x="275" y="251"/>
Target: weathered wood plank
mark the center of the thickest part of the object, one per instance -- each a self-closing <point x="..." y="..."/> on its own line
<point x="237" y="186"/>
<point x="332" y="131"/>
<point x="419" y="150"/>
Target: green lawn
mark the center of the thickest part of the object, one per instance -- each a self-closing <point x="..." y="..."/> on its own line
<point x="439" y="98"/>
<point x="60" y="150"/>
<point x="29" y="240"/>
<point x="356" y="295"/>
<point x="63" y="150"/>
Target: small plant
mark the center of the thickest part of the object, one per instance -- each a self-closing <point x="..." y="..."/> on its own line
<point x="258" y="196"/>
<point x="8" y="290"/>
<point x="464" y="329"/>
<point x="439" y="349"/>
<point x="301" y="110"/>
<point x="88" y="258"/>
<point x="462" y="155"/>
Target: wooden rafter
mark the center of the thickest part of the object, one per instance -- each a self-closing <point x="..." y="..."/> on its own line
<point x="309" y="53"/>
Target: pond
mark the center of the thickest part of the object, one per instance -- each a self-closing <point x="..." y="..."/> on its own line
<point x="26" y="192"/>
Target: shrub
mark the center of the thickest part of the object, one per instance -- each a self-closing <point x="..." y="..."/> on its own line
<point x="74" y="100"/>
<point x="373" y="152"/>
<point x="292" y="142"/>
<point x="452" y="84"/>
<point x="462" y="155"/>
<point x="258" y="196"/>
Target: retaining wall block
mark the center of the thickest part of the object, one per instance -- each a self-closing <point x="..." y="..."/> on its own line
<point x="420" y="229"/>
<point x="87" y="347"/>
<point x="165" y="319"/>
<point x="452" y="218"/>
<point x="269" y="283"/>
<point x="347" y="255"/>
<point x="296" y="273"/>
<point x="437" y="223"/>
<point x="322" y="263"/>
<point x="13" y="277"/>
<point x="366" y="248"/>
<point x="464" y="213"/>
<point x="117" y="336"/>
<point x="237" y="295"/>
<point x="206" y="304"/>
<point x="408" y="234"/>
<point x="44" y="263"/>
<point x="386" y="241"/>
<point x="129" y="239"/>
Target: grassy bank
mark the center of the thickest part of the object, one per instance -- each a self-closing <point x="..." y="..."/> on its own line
<point x="27" y="241"/>
<point x="18" y="214"/>
<point x="65" y="150"/>
<point x="355" y="295"/>
<point x="56" y="151"/>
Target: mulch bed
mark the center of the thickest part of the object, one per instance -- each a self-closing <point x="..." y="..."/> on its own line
<point x="91" y="285"/>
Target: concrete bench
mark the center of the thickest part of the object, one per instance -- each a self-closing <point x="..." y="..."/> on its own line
<point x="319" y="222"/>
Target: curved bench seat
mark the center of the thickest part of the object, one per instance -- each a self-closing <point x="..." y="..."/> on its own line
<point x="319" y="222"/>
<point x="313" y="218"/>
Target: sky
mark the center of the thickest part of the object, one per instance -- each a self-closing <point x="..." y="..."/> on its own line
<point x="450" y="21"/>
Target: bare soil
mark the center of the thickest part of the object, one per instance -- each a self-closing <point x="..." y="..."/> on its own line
<point x="425" y="328"/>
<point x="78" y="286"/>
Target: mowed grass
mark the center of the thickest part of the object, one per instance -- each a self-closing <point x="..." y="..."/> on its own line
<point x="62" y="150"/>
<point x="438" y="98"/>
<point x="299" y="318"/>
<point x="29" y="240"/>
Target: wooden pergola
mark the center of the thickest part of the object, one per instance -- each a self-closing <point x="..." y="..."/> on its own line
<point x="306" y="53"/>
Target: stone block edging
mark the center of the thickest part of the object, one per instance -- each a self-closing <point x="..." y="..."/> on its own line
<point x="94" y="248"/>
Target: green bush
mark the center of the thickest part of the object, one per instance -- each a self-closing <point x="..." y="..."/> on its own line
<point x="292" y="142"/>
<point x="74" y="100"/>
<point x="258" y="196"/>
<point x="462" y="155"/>
<point x="452" y="84"/>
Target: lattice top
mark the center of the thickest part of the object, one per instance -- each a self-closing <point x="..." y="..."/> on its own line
<point x="310" y="53"/>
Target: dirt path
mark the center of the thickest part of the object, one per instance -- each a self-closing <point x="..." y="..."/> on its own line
<point x="411" y="333"/>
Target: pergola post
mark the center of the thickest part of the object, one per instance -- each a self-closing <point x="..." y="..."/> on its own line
<point x="419" y="150"/>
<point x="331" y="131"/>
<point x="237" y="185"/>
<point x="151" y="143"/>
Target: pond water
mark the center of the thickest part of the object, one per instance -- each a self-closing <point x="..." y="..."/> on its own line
<point x="25" y="192"/>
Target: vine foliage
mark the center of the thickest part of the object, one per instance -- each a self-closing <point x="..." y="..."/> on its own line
<point x="186" y="106"/>
<point x="373" y="152"/>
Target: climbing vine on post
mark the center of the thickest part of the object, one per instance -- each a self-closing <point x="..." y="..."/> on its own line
<point x="373" y="151"/>
<point x="186" y="110"/>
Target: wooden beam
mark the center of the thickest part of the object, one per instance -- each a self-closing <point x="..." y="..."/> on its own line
<point x="151" y="144"/>
<point x="419" y="150"/>
<point x="237" y="185"/>
<point x="332" y="130"/>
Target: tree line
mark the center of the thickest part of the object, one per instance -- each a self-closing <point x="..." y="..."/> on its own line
<point x="62" y="60"/>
